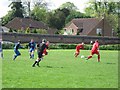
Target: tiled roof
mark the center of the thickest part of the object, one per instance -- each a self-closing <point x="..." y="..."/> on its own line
<point x="18" y="23"/>
<point x="86" y="23"/>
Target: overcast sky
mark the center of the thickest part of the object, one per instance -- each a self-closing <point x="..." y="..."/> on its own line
<point x="81" y="4"/>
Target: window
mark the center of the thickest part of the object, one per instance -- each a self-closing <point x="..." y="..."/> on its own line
<point x="99" y="31"/>
<point x="72" y="30"/>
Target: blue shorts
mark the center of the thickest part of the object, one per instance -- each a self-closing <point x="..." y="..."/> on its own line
<point x="17" y="52"/>
<point x="31" y="49"/>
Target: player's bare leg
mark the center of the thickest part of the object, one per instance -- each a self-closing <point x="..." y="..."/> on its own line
<point x="76" y="54"/>
<point x="98" y="57"/>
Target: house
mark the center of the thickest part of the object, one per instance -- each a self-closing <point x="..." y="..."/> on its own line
<point x="24" y="23"/>
<point x="88" y="27"/>
<point x="4" y="29"/>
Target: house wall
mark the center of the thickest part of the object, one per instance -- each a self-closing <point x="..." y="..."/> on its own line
<point x="106" y="29"/>
<point x="72" y="26"/>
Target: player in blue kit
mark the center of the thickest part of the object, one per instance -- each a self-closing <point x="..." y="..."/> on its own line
<point x="32" y="47"/>
<point x="16" y="47"/>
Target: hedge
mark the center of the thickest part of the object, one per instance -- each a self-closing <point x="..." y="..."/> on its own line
<point x="7" y="46"/>
<point x="66" y="46"/>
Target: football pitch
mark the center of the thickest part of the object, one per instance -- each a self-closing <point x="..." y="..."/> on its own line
<point x="60" y="69"/>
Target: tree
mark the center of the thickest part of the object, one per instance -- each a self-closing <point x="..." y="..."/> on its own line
<point x="17" y="9"/>
<point x="70" y="6"/>
<point x="57" y="18"/>
<point x="104" y="9"/>
<point x="27" y="10"/>
<point x="98" y="8"/>
<point x="75" y="14"/>
<point x="42" y="4"/>
<point x="8" y="17"/>
<point x="39" y="13"/>
<point x="40" y="10"/>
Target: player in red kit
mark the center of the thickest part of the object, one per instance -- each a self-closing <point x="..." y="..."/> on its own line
<point x="95" y="50"/>
<point x="78" y="47"/>
<point x="45" y="50"/>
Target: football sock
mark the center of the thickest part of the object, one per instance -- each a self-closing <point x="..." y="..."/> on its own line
<point x="38" y="62"/>
<point x="34" y="64"/>
<point x="30" y="56"/>
<point x="89" y="57"/>
<point x="14" y="57"/>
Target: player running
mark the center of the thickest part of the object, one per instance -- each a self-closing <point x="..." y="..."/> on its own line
<point x="95" y="50"/>
<point x="16" y="47"/>
<point x="40" y="49"/>
<point x="78" y="47"/>
<point x="31" y="47"/>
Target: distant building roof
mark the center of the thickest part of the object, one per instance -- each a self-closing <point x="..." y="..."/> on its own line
<point x="85" y="23"/>
<point x="18" y="23"/>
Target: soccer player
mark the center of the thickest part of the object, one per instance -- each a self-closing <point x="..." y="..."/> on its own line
<point x="78" y="47"/>
<point x="32" y="47"/>
<point x="40" y="49"/>
<point x="16" y="47"/>
<point x="95" y="50"/>
<point x="45" y="50"/>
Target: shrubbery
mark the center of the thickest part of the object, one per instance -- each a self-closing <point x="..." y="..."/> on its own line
<point x="66" y="46"/>
<point x="7" y="46"/>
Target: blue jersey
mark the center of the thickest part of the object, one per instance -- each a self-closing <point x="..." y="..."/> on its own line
<point x="32" y="45"/>
<point x="17" y="46"/>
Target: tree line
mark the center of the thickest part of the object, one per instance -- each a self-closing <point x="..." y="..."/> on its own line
<point x="59" y="17"/>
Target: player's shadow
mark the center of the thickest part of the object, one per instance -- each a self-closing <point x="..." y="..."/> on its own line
<point x="52" y="67"/>
<point x="110" y="63"/>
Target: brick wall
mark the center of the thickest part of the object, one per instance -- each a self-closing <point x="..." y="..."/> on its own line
<point x="25" y="38"/>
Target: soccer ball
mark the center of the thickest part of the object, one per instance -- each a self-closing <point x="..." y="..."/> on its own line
<point x="82" y="56"/>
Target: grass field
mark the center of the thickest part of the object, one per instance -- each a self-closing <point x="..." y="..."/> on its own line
<point x="60" y="70"/>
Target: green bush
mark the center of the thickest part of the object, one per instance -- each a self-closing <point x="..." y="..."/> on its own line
<point x="109" y="47"/>
<point x="54" y="46"/>
<point x="11" y="45"/>
<point x="86" y="47"/>
<point x="41" y="31"/>
<point x="65" y="46"/>
<point x="7" y="46"/>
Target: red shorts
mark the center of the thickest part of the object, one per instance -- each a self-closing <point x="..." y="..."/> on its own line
<point x="94" y="52"/>
<point x="45" y="52"/>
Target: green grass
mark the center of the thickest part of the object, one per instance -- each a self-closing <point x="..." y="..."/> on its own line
<point x="60" y="70"/>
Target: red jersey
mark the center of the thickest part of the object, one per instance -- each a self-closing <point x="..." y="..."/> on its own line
<point x="95" y="46"/>
<point x="79" y="46"/>
<point x="45" y="50"/>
